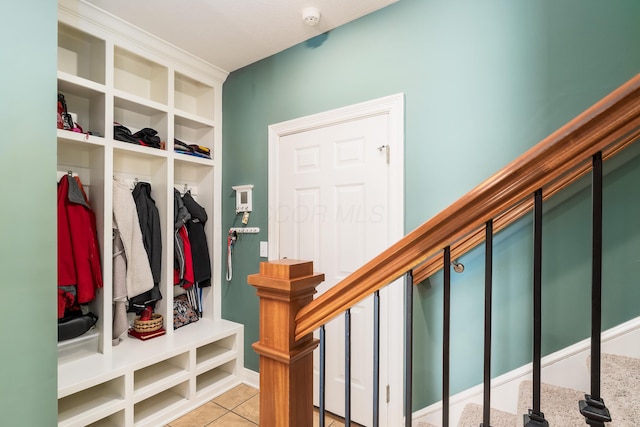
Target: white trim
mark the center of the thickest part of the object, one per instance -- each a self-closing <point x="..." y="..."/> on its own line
<point x="564" y="368"/>
<point x="393" y="106"/>
<point x="251" y="378"/>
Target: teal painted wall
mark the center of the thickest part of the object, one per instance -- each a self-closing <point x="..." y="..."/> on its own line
<point x="28" y="326"/>
<point x="483" y="82"/>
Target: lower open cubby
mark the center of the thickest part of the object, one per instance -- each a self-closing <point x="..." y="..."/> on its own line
<point x="161" y="405"/>
<point x="210" y="355"/>
<point x="91" y="404"/>
<point x="151" y="383"/>
<point x="160" y="375"/>
<point x="215" y="376"/>
<point x="113" y="420"/>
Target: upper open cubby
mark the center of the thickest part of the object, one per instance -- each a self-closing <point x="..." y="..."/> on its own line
<point x="192" y="132"/>
<point x="139" y="76"/>
<point x="193" y="97"/>
<point x="87" y="104"/>
<point x="81" y="54"/>
<point x="136" y="116"/>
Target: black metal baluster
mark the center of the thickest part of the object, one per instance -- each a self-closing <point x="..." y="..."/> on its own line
<point x="408" y="346"/>
<point x="347" y="367"/>
<point x="488" y="280"/>
<point x="593" y="407"/>
<point x="535" y="417"/>
<point x="376" y="358"/>
<point x="446" y="321"/>
<point x="322" y="376"/>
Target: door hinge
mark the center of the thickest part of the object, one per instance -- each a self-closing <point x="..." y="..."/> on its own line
<point x="387" y="149"/>
<point x="388" y="393"/>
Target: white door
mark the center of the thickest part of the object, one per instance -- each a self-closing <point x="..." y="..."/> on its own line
<point x="333" y="208"/>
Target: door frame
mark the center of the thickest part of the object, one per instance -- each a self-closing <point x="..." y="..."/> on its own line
<point x="393" y="106"/>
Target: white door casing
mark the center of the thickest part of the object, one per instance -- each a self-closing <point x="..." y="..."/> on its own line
<point x="336" y="196"/>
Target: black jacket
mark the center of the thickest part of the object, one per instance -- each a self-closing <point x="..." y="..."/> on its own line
<point x="149" y="218"/>
<point x="198" y="239"/>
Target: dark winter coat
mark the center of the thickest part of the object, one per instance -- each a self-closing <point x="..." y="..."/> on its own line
<point x="198" y="238"/>
<point x="149" y="218"/>
<point x="150" y="226"/>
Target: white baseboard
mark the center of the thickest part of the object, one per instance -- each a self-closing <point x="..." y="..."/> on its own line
<point x="251" y="378"/>
<point x="565" y="368"/>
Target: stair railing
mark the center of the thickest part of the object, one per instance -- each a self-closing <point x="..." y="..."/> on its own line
<point x="593" y="407"/>
<point x="535" y="417"/>
<point x="289" y="315"/>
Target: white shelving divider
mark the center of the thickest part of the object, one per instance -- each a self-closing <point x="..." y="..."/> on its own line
<point x="111" y="71"/>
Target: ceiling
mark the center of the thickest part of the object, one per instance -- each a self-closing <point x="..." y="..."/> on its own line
<point x="231" y="34"/>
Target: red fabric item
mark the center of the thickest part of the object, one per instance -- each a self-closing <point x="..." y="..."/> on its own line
<point x="78" y="251"/>
<point x="146" y="314"/>
<point x="65" y="300"/>
<point x="147" y="335"/>
<point x="66" y="264"/>
<point x="187" y="281"/>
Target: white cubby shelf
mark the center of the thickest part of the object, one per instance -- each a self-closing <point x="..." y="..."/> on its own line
<point x="110" y="71"/>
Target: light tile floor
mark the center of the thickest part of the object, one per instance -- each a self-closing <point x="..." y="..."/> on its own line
<point x="239" y="407"/>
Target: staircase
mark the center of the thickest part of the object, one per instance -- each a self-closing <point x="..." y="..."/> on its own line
<point x="568" y="369"/>
<point x="289" y="314"/>
<point x="620" y="385"/>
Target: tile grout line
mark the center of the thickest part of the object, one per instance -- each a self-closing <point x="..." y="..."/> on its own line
<point x="245" y="418"/>
<point x="242" y="416"/>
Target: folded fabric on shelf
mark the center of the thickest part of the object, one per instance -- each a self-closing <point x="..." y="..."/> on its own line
<point x="181" y="146"/>
<point x="146" y="137"/>
<point x="191" y="149"/>
<point x="202" y="150"/>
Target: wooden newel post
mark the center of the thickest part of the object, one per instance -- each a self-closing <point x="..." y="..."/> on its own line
<point x="286" y="365"/>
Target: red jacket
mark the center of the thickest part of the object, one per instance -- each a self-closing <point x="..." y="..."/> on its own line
<point x="187" y="280"/>
<point x="78" y="251"/>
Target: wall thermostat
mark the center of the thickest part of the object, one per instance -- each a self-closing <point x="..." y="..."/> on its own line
<point x="243" y="197"/>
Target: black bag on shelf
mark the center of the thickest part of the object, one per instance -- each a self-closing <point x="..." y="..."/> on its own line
<point x="122" y="133"/>
<point x="65" y="121"/>
<point x="148" y="137"/>
<point x="73" y="326"/>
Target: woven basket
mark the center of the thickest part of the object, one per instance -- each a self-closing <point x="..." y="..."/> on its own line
<point x="152" y="325"/>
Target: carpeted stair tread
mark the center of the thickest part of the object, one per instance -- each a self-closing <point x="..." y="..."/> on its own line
<point x="472" y="417"/>
<point x="559" y="404"/>
<point x="620" y="389"/>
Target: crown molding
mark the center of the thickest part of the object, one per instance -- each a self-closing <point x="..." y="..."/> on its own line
<point x="99" y="23"/>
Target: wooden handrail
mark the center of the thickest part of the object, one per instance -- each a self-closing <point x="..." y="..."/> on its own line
<point x="470" y="241"/>
<point x="613" y="119"/>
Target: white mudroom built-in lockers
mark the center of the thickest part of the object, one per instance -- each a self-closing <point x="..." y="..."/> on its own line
<point x="141" y="111"/>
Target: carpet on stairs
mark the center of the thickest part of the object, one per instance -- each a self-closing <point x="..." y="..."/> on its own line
<point x="559" y="404"/>
<point x="620" y="389"/>
<point x="472" y="417"/>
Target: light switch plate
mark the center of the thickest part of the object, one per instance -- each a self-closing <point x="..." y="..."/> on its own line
<point x="264" y="249"/>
